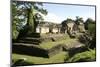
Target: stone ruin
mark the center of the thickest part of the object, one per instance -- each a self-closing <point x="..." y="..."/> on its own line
<point x="73" y="29"/>
<point x="29" y="41"/>
<point x="30" y="45"/>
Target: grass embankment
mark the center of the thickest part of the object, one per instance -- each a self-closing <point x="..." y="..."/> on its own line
<point x="48" y="45"/>
<point x="84" y="56"/>
<point x="66" y="40"/>
<point x="58" y="58"/>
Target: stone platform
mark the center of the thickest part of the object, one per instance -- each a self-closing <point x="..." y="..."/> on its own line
<point x="35" y="50"/>
<point x="31" y="45"/>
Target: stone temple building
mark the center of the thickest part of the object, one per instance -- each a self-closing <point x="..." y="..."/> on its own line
<point x="71" y="27"/>
<point x="48" y="27"/>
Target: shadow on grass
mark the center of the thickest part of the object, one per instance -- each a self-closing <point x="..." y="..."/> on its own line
<point x="74" y="51"/>
<point x="21" y="63"/>
<point x="32" y="51"/>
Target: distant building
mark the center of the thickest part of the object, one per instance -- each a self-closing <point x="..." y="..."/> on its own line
<point x="72" y="26"/>
<point x="48" y="27"/>
<point x="81" y="27"/>
<point x="42" y="29"/>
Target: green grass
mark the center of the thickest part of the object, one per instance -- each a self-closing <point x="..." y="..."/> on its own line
<point x="84" y="56"/>
<point x="67" y="40"/>
<point x="58" y="58"/>
<point x="64" y="40"/>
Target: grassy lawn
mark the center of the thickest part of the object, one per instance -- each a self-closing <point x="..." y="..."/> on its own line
<point x="58" y="58"/>
<point x="48" y="45"/>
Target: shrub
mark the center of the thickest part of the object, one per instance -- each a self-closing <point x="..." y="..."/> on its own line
<point x="84" y="56"/>
<point x="15" y="32"/>
<point x="92" y="28"/>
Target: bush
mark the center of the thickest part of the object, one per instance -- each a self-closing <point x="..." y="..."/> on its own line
<point x="15" y="32"/>
<point x="20" y="62"/>
<point x="92" y="28"/>
<point x="84" y="56"/>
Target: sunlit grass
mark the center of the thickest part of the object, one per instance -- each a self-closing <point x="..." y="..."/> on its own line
<point x="48" y="45"/>
<point x="84" y="56"/>
<point x="58" y="58"/>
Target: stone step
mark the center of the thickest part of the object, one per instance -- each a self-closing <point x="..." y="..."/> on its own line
<point x="35" y="50"/>
<point x="31" y="39"/>
<point x="36" y="35"/>
<point x="28" y="42"/>
<point x="29" y="49"/>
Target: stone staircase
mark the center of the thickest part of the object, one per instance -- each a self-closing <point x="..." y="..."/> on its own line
<point x="30" y="40"/>
<point x="33" y="38"/>
<point x="29" y="45"/>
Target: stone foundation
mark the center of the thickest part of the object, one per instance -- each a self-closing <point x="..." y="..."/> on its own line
<point x="34" y="50"/>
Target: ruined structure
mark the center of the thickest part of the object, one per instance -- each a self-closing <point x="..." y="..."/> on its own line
<point x="48" y="27"/>
<point x="71" y="28"/>
<point x="81" y="27"/>
<point x="30" y="43"/>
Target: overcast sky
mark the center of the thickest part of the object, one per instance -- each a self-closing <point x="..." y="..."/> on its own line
<point x="59" y="12"/>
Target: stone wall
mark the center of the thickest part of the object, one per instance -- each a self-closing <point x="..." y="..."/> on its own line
<point x="29" y="50"/>
<point x="35" y="50"/>
<point x="55" y="50"/>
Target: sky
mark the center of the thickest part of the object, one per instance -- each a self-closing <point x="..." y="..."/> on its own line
<point x="59" y="12"/>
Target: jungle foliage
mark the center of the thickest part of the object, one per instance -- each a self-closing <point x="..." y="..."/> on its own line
<point x="25" y="16"/>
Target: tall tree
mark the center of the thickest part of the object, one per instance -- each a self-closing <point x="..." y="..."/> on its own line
<point x="78" y="20"/>
<point x="88" y="21"/>
<point x="26" y="10"/>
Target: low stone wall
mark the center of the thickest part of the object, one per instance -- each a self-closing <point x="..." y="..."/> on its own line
<point x="53" y="38"/>
<point x="73" y="51"/>
<point x="36" y="38"/>
<point x="29" y="50"/>
<point x="55" y="50"/>
<point x="35" y="50"/>
<point x="33" y="35"/>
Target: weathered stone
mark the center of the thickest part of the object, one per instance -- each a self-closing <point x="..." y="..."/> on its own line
<point x="35" y="50"/>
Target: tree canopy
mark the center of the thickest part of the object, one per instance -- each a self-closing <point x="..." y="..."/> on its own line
<point x="25" y="13"/>
<point x="78" y="20"/>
